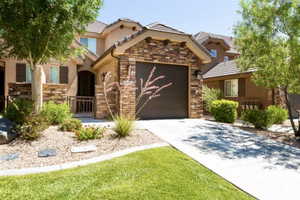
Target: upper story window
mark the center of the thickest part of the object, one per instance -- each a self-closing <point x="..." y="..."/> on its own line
<point x="226" y="58"/>
<point x="231" y="88"/>
<point x="54" y="75"/>
<point x="90" y="43"/>
<point x="213" y="52"/>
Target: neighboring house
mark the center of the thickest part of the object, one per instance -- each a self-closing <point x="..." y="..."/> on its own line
<point x="129" y="51"/>
<point x="223" y="73"/>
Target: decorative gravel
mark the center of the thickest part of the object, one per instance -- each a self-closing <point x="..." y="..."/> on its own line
<point x="62" y="142"/>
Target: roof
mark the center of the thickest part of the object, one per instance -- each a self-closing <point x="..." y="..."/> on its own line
<point x="96" y="27"/>
<point x="161" y="27"/>
<point x="202" y="37"/>
<point x="142" y="31"/>
<point x="224" y="69"/>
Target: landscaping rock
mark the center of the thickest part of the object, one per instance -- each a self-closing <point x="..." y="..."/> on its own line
<point x="9" y="157"/>
<point x="6" y="135"/>
<point x="47" y="153"/>
<point x="83" y="149"/>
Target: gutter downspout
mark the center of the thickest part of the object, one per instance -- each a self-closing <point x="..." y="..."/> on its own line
<point x="118" y="68"/>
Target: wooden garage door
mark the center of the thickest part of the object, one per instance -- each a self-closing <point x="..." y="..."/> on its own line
<point x="173" y="101"/>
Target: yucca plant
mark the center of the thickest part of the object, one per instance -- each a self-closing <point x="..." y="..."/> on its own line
<point x="123" y="126"/>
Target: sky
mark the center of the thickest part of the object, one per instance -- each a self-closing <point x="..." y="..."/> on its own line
<point x="190" y="16"/>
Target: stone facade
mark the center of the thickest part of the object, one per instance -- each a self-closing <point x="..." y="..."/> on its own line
<point x="51" y="92"/>
<point x="101" y="104"/>
<point x="157" y="51"/>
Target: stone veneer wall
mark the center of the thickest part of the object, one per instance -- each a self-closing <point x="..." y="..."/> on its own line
<point x="101" y="105"/>
<point x="53" y="92"/>
<point x="157" y="51"/>
<point x="279" y="98"/>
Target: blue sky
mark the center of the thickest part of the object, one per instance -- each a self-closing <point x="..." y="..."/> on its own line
<point x="191" y="16"/>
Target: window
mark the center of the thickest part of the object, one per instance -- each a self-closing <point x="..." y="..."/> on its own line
<point x="231" y="88"/>
<point x="90" y="43"/>
<point x="54" y="75"/>
<point x="213" y="52"/>
<point x="28" y="74"/>
<point x="226" y="58"/>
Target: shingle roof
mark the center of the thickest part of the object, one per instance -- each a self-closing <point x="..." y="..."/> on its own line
<point x="161" y="27"/>
<point x="201" y="37"/>
<point x="96" y="27"/>
<point x="224" y="69"/>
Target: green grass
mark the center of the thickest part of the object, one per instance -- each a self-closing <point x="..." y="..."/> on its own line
<point x="161" y="173"/>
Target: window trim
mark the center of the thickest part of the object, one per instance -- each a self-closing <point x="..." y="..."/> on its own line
<point x="237" y="88"/>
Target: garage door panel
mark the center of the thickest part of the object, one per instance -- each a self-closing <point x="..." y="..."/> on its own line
<point x="173" y="101"/>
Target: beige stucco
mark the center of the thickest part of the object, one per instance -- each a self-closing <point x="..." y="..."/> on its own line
<point x="10" y="74"/>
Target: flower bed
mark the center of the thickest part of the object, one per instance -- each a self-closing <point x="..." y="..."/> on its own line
<point x="25" y="154"/>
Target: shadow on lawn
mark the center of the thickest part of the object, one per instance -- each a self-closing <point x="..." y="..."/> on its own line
<point x="233" y="143"/>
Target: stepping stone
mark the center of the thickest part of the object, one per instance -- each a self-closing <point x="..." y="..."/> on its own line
<point x="47" y="153"/>
<point x="83" y="149"/>
<point x="5" y="134"/>
<point x="9" y="157"/>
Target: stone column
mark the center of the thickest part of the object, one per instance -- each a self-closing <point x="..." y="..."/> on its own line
<point x="196" y="103"/>
<point x="127" y="98"/>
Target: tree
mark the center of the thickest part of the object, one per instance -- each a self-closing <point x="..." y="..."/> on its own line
<point x="39" y="30"/>
<point x="268" y="40"/>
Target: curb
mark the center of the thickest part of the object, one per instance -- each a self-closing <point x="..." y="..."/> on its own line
<point x="36" y="170"/>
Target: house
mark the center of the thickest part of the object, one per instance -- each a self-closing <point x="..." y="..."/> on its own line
<point x="224" y="74"/>
<point x="129" y="51"/>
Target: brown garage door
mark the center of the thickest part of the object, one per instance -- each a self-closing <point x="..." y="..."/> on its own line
<point x="173" y="102"/>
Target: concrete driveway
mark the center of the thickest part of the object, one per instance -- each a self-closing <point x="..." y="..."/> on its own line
<point x="262" y="167"/>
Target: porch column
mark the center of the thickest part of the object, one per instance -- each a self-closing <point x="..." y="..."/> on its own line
<point x="127" y="87"/>
<point x="195" y="99"/>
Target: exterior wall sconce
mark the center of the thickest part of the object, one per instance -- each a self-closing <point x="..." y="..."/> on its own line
<point x="198" y="74"/>
<point x="103" y="76"/>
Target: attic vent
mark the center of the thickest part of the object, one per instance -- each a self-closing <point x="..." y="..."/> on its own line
<point x="134" y="28"/>
<point x="121" y="26"/>
<point x="166" y="42"/>
<point x="148" y="39"/>
<point x="182" y="44"/>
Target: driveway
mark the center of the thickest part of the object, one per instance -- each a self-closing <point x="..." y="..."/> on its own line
<point x="262" y="167"/>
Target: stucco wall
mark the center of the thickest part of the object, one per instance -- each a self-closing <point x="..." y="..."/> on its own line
<point x="10" y="74"/>
<point x="252" y="91"/>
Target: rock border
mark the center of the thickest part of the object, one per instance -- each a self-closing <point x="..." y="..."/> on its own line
<point x="36" y="170"/>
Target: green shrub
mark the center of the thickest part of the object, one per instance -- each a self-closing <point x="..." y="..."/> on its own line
<point x="210" y="95"/>
<point x="278" y="115"/>
<point x="261" y="119"/>
<point x="224" y="110"/>
<point x="89" y="133"/>
<point x="18" y="110"/>
<point x="56" y="113"/>
<point x="71" y="125"/>
<point x="32" y="127"/>
<point x="123" y="126"/>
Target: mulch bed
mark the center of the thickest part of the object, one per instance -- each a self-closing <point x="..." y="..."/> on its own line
<point x="62" y="143"/>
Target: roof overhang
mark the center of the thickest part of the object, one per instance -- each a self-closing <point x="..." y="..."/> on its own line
<point x="120" y="48"/>
<point x="217" y="40"/>
<point x="117" y="24"/>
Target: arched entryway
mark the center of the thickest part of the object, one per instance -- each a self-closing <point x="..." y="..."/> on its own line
<point x="83" y="105"/>
<point x="86" y="84"/>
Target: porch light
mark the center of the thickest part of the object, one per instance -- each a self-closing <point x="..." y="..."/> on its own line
<point x="198" y="74"/>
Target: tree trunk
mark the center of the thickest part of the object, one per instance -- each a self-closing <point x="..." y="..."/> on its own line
<point x="37" y="88"/>
<point x="288" y="105"/>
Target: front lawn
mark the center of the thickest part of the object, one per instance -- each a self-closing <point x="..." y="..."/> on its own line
<point x="161" y="173"/>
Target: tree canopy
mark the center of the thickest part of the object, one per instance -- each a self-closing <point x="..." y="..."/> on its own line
<point x="268" y="41"/>
<point x="40" y="30"/>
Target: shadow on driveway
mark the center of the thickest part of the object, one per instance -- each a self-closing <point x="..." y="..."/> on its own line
<point x="233" y="143"/>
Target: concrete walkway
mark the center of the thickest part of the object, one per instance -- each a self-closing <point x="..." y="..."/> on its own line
<point x="262" y="167"/>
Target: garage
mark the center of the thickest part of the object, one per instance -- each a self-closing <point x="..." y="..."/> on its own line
<point x="173" y="101"/>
